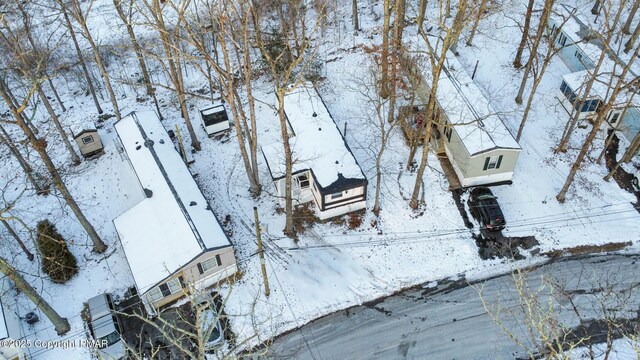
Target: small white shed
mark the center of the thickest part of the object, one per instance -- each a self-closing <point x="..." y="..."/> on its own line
<point x="89" y="143"/>
<point x="215" y="120"/>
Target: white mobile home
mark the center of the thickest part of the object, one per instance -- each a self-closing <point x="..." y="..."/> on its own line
<point x="10" y="327"/>
<point x="480" y="148"/>
<point x="172" y="240"/>
<point x="325" y="171"/>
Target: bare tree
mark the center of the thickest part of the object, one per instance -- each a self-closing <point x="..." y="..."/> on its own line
<point x="437" y="56"/>
<point x="551" y="318"/>
<point x="544" y="18"/>
<point x="632" y="40"/>
<point x="474" y="28"/>
<point x="127" y="20"/>
<point x="61" y="324"/>
<point x="628" y="155"/>
<point x="356" y="22"/>
<point x="5" y="139"/>
<point x="16" y="237"/>
<point x="83" y="64"/>
<point x="170" y="39"/>
<point x="538" y="68"/>
<point x="517" y="62"/>
<point x="626" y="28"/>
<point x="80" y="16"/>
<point x="374" y="109"/>
<point x="40" y="145"/>
<point x="31" y="64"/>
<point x="26" y="22"/>
<point x="233" y="35"/>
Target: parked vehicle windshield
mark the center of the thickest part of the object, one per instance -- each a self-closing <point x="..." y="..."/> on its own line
<point x="108" y="340"/>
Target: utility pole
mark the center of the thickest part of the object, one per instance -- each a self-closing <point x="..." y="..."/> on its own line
<point x="261" y="254"/>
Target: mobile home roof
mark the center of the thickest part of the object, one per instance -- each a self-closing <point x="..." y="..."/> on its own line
<point x="165" y="231"/>
<point x="317" y="144"/>
<point x="474" y="119"/>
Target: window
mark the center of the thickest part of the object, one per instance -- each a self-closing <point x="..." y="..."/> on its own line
<point x="174" y="286"/>
<point x="492" y="162"/>
<point x="568" y="92"/>
<point x="209" y="264"/>
<point x="447" y="132"/>
<point x="155" y="294"/>
<point x="303" y="181"/>
<point x="336" y="195"/>
<point x="614" y="118"/>
<point x="563" y="40"/>
<point x="166" y="289"/>
<point x="589" y="105"/>
<point x="87" y="139"/>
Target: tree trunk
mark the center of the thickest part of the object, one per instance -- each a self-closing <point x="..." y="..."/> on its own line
<point x="24" y="164"/>
<point x="83" y="65"/>
<point x="517" y="62"/>
<point x="626" y="29"/>
<point x="77" y="11"/>
<point x="483" y="4"/>
<point x="233" y="100"/>
<point x="17" y="239"/>
<point x="136" y="48"/>
<point x="396" y="46"/>
<point x="40" y="145"/>
<point x="75" y="159"/>
<point x="596" y="7"/>
<point x="27" y="28"/>
<point x="356" y="23"/>
<point x="422" y="10"/>
<point x="631" y="151"/>
<point x="55" y="93"/>
<point x="384" y="54"/>
<point x="175" y="71"/>
<point x="561" y="197"/>
<point x="632" y="40"/>
<point x="413" y="203"/>
<point x="284" y="133"/>
<point x="527" y="108"/>
<point x="60" y="324"/>
<point x="253" y="139"/>
<point x="534" y="48"/>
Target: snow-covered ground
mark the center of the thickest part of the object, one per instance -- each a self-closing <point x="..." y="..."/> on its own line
<point x="332" y="267"/>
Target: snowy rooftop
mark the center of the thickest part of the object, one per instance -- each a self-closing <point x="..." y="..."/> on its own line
<point x="168" y="229"/>
<point x="317" y="144"/>
<point x="603" y="85"/>
<point x="474" y="119"/>
<point x="212" y="109"/>
<point x="578" y="31"/>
